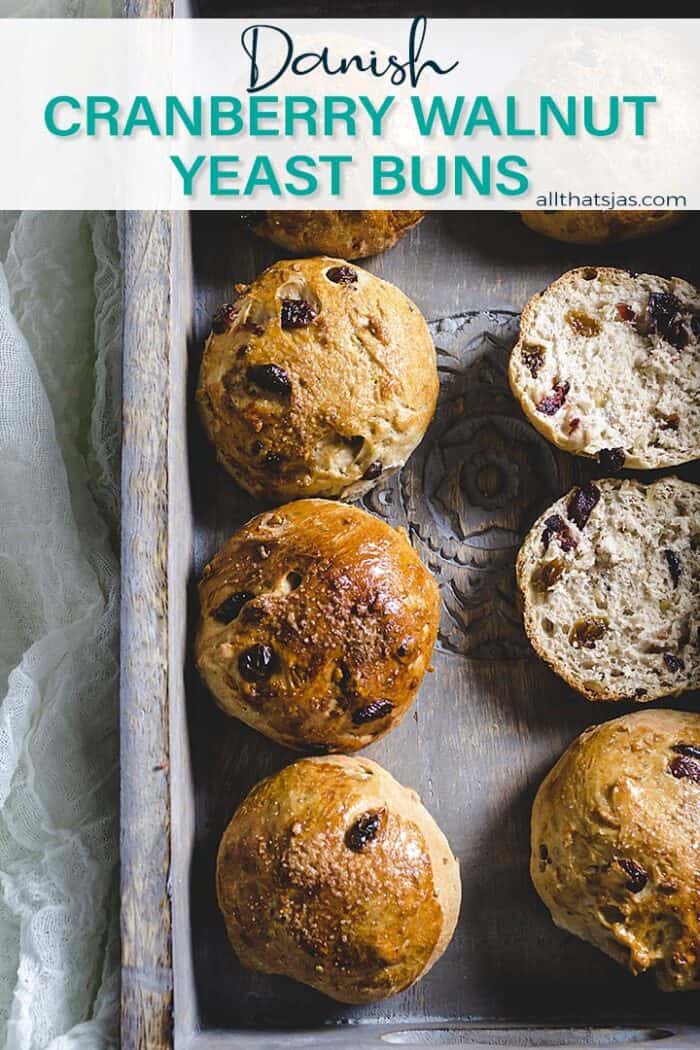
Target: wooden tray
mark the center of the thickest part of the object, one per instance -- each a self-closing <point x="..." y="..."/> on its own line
<point x="486" y="727"/>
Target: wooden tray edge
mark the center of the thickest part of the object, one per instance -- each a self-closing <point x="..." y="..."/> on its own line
<point x="146" y="923"/>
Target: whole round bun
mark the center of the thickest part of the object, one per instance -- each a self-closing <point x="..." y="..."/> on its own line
<point x="597" y="227"/>
<point x="610" y="582"/>
<point x="332" y="873"/>
<point x="320" y="379"/>
<point x="342" y="234"/>
<point x="608" y="363"/>
<point x="616" y="843"/>
<point x="318" y="622"/>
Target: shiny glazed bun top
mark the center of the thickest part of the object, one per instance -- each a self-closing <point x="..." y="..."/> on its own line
<point x="616" y="843"/>
<point x="319" y="380"/>
<point x="332" y="873"/>
<point x="318" y="624"/>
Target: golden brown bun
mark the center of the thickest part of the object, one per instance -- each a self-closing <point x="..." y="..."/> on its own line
<point x="332" y="624"/>
<point x="616" y="843"/>
<point x="597" y="227"/>
<point x="334" y="874"/>
<point x="343" y="234"/>
<point x="320" y="379"/>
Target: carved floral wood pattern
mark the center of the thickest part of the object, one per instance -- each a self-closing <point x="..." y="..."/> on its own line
<point x="470" y="492"/>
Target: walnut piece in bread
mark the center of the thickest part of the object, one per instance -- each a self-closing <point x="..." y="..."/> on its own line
<point x="608" y="363"/>
<point x="610" y="583"/>
<point x="599" y="227"/>
<point x="318" y="381"/>
<point x="343" y="234"/>
<point x="332" y="873"/>
<point x="318" y="622"/>
<point x="616" y="843"/>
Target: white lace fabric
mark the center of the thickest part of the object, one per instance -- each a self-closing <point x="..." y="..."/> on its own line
<point x="60" y="368"/>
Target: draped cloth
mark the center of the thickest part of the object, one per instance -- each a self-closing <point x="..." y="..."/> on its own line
<point x="60" y="372"/>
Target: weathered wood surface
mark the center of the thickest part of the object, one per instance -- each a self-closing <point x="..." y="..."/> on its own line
<point x="150" y="8"/>
<point x="145" y="775"/>
<point x="487" y="724"/>
<point x="478" y="1035"/>
<point x="492" y="719"/>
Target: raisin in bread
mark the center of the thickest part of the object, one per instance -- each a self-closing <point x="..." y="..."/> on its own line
<point x="610" y="582"/>
<point x="599" y="227"/>
<point x="608" y="366"/>
<point x="335" y="875"/>
<point x="616" y="839"/>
